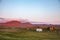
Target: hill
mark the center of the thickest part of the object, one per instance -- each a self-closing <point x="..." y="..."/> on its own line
<point x="15" y="23"/>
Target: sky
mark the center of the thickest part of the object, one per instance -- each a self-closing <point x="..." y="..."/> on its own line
<point x="33" y="10"/>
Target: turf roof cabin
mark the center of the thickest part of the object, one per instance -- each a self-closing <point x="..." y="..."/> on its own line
<point x="39" y="29"/>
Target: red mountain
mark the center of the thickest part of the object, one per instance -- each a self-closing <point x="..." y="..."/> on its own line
<point x="16" y="24"/>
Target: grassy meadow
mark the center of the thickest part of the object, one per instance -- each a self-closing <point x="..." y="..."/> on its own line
<point x="28" y="35"/>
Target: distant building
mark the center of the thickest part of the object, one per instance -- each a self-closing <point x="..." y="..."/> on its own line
<point x="39" y="29"/>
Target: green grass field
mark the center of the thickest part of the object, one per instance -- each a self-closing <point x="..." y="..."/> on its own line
<point x="29" y="35"/>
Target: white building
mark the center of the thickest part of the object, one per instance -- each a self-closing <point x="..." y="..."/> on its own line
<point x="39" y="30"/>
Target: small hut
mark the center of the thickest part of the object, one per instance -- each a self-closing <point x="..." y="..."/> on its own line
<point x="39" y="29"/>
